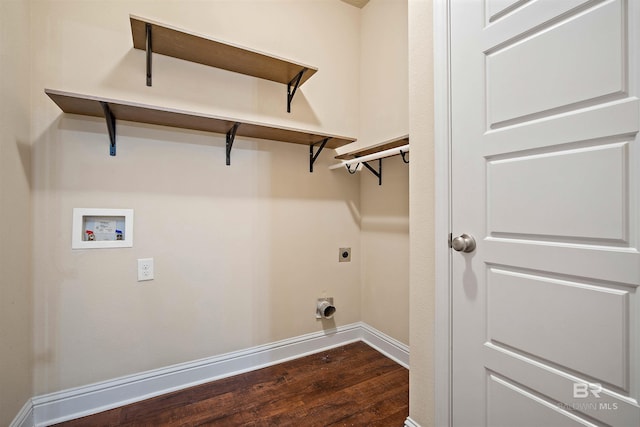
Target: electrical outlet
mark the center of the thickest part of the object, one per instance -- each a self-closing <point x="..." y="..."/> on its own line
<point x="344" y="255"/>
<point x="145" y="269"/>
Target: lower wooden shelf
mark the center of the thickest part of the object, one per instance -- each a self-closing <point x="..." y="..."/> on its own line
<point x="112" y="110"/>
<point x="363" y="156"/>
<point x="383" y="146"/>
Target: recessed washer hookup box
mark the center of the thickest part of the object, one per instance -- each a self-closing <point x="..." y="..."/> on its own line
<point x="102" y="228"/>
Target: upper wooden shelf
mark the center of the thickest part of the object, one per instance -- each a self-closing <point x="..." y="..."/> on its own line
<point x="386" y="145"/>
<point x="167" y="40"/>
<point x="113" y="109"/>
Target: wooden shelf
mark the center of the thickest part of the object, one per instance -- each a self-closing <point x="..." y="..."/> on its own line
<point x="122" y="110"/>
<point x="364" y="156"/>
<point x="386" y="145"/>
<point x="172" y="41"/>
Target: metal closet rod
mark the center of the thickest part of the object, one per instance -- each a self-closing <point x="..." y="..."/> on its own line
<point x="386" y="153"/>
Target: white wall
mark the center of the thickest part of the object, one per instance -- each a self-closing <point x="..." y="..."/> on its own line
<point x="241" y="251"/>
<point x="422" y="196"/>
<point x="384" y="87"/>
<point x="385" y="249"/>
<point x="384" y="115"/>
<point x="15" y="205"/>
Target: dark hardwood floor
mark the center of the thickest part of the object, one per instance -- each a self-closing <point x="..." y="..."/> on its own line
<point x="353" y="385"/>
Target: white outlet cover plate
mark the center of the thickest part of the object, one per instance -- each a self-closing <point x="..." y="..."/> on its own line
<point x="145" y="269"/>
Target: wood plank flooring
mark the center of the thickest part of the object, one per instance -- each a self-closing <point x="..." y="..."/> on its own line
<point x="353" y="385"/>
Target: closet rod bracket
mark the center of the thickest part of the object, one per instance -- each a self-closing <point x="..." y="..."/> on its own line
<point x="404" y="158"/>
<point x="295" y="82"/>
<point x="111" y="127"/>
<point x="313" y="157"/>
<point x="231" y="136"/>
<point x="149" y="50"/>
<point x="377" y="173"/>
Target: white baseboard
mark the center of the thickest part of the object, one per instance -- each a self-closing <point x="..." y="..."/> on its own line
<point x="81" y="401"/>
<point x="24" y="417"/>
<point x="390" y="347"/>
<point x="410" y="423"/>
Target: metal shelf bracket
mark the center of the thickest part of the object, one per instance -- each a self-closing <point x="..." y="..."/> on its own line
<point x="111" y="127"/>
<point x="313" y="157"/>
<point x="231" y="136"/>
<point x="378" y="172"/>
<point x="404" y="156"/>
<point x="149" y="49"/>
<point x="295" y="82"/>
<point x="351" y="172"/>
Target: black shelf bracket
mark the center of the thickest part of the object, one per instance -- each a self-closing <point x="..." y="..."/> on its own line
<point x="149" y="49"/>
<point x="313" y="157"/>
<point x="231" y="136"/>
<point x="111" y="127"/>
<point x="404" y="154"/>
<point x="295" y="82"/>
<point x="378" y="172"/>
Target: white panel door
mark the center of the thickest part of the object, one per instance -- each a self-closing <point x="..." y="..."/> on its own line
<point x="545" y="174"/>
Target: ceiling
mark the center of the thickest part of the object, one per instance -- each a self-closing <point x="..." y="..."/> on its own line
<point x="357" y="3"/>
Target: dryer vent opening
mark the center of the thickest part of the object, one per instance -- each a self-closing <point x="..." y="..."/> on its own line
<point x="325" y="308"/>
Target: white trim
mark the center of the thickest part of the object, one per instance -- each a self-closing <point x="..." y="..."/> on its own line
<point x="86" y="400"/>
<point x="410" y="423"/>
<point x="25" y="416"/>
<point x="390" y="347"/>
<point x="442" y="132"/>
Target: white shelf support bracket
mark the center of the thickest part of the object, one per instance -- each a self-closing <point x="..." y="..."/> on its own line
<point x="313" y="157"/>
<point x="377" y="173"/>
<point x="149" y="50"/>
<point x="295" y="82"/>
<point x="111" y="127"/>
<point x="231" y="136"/>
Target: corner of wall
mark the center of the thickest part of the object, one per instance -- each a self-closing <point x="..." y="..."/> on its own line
<point x="384" y="109"/>
<point x="422" y="213"/>
<point x="25" y="417"/>
<point x="16" y="352"/>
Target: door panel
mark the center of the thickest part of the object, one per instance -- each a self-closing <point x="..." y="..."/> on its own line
<point x="553" y="195"/>
<point x="507" y="402"/>
<point x="555" y="386"/>
<point x="537" y="74"/>
<point x="545" y="171"/>
<point x="535" y="315"/>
